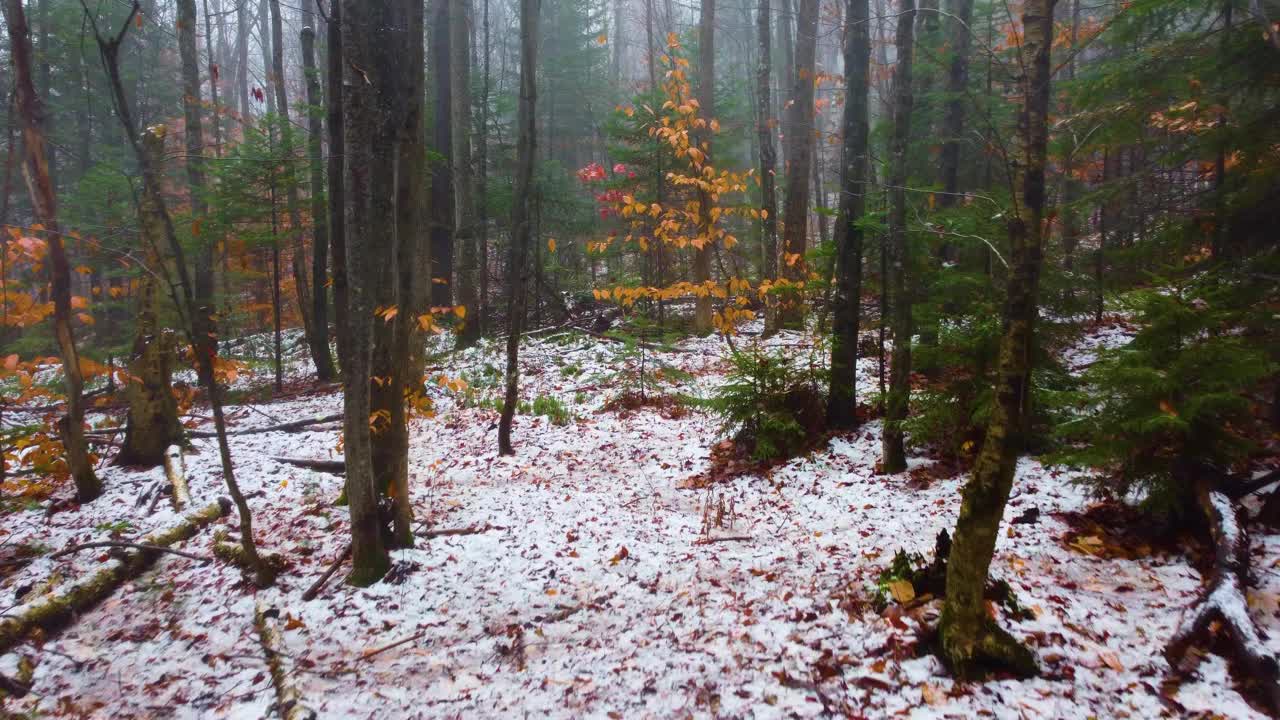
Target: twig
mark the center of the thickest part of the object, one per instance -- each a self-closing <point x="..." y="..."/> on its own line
<point x="370" y="653"/>
<point x="725" y="538"/>
<point x="318" y="585"/>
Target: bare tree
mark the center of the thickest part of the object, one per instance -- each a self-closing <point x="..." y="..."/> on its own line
<point x="799" y="135"/>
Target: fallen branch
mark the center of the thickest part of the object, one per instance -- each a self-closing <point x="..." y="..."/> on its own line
<point x="175" y="468"/>
<point x="724" y="538"/>
<point x="566" y="613"/>
<point x="337" y="467"/>
<point x="319" y="584"/>
<point x="292" y="426"/>
<point x="52" y="612"/>
<point x="370" y="653"/>
<point x="288" y="696"/>
<point x="473" y="530"/>
<point x="1223" y="602"/>
<point x="135" y="546"/>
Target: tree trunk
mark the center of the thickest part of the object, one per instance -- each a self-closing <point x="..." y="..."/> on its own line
<point x="893" y="456"/>
<point x="463" y="184"/>
<point x="153" y="411"/>
<point x="337" y="201"/>
<point x="787" y="83"/>
<point x="319" y="216"/>
<point x="768" y="155"/>
<point x="193" y="116"/>
<point x="481" y="319"/>
<point x="442" y="212"/>
<point x="846" y="315"/>
<point x="517" y="267"/>
<point x="953" y="120"/>
<point x="317" y="337"/>
<point x="242" y="60"/>
<point x="200" y="328"/>
<point x="971" y="640"/>
<point x="369" y="195"/>
<point x="799" y="156"/>
<point x="35" y="170"/>
<point x="702" y="316"/>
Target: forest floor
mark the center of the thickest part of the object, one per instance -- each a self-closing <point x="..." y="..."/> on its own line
<point x="600" y="584"/>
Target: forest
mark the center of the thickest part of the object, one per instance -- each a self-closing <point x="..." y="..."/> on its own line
<point x="640" y="359"/>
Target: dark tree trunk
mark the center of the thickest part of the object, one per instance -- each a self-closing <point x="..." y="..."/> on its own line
<point x="894" y="457"/>
<point x="971" y="641"/>
<point x="442" y="214"/>
<point x="799" y="143"/>
<point x="319" y="216"/>
<point x="368" y="102"/>
<point x="702" y="316"/>
<point x="846" y="314"/>
<point x="193" y="116"/>
<point x="317" y="337"/>
<point x="35" y="170"/>
<point x="463" y="184"/>
<point x="768" y="154"/>
<point x="482" y="189"/>
<point x="337" y="200"/>
<point x="957" y="81"/>
<point x="517" y="267"/>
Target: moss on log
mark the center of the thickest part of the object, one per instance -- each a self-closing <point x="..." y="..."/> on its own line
<point x="54" y="611"/>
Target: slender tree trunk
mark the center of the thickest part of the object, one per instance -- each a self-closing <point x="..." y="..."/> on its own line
<point x="242" y="60"/>
<point x="370" y="225"/>
<point x="198" y="322"/>
<point x="35" y="169"/>
<point x="463" y="183"/>
<point x="517" y="267"/>
<point x="319" y="214"/>
<point x="317" y="337"/>
<point x="702" y="317"/>
<point x="799" y="156"/>
<point x="193" y="116"/>
<point x="970" y="638"/>
<point x="894" y="458"/>
<point x="787" y="83"/>
<point x="442" y="206"/>
<point x="482" y="188"/>
<point x="765" y="122"/>
<point x="337" y="200"/>
<point x="846" y="316"/>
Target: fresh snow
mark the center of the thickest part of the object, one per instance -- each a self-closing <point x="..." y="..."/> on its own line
<point x="778" y="625"/>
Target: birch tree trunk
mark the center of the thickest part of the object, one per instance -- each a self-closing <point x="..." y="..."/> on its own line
<point x="971" y="640"/>
<point x="846" y="315"/>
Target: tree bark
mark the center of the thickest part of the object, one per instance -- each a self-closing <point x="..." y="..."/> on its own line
<point x="442" y="206"/>
<point x="893" y="455"/>
<point x="953" y="120"/>
<point x="317" y="337"/>
<point x="846" y="315"/>
<point x="971" y="640"/>
<point x="319" y="214"/>
<point x="517" y="267"/>
<point x="706" y="95"/>
<point x="35" y="170"/>
<point x="463" y="182"/>
<point x="765" y="122"/>
<point x="799" y="156"/>
<point x="193" y="117"/>
<point x="337" y="202"/>
<point x="152" y="424"/>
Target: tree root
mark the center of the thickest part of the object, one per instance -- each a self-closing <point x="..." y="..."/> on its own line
<point x="52" y="612"/>
<point x="1223" y="604"/>
<point x="288" y="696"/>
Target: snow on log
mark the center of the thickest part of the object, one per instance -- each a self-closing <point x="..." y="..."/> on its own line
<point x="52" y="611"/>
<point x="1224" y="601"/>
<point x="175" y="468"/>
<point x="288" y="697"/>
<point x="336" y="467"/>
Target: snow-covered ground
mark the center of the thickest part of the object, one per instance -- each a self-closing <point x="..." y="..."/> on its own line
<point x="673" y="618"/>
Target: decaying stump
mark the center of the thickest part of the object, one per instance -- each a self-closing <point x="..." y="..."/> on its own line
<point x="53" y="611"/>
<point x="288" y="696"/>
<point x="1223" y="602"/>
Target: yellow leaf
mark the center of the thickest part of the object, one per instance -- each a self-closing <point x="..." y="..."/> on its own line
<point x="551" y="244"/>
<point x="460" y="311"/>
<point x="902" y="591"/>
<point x="85" y="318"/>
<point x="11" y="362"/>
<point x="601" y="39"/>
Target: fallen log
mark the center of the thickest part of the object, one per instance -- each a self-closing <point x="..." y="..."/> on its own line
<point x="1223" y="604"/>
<point x="292" y="426"/>
<point x="133" y="546"/>
<point x="175" y="468"/>
<point x="337" y="467"/>
<point x="288" y="696"/>
<point x="53" y="611"/>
